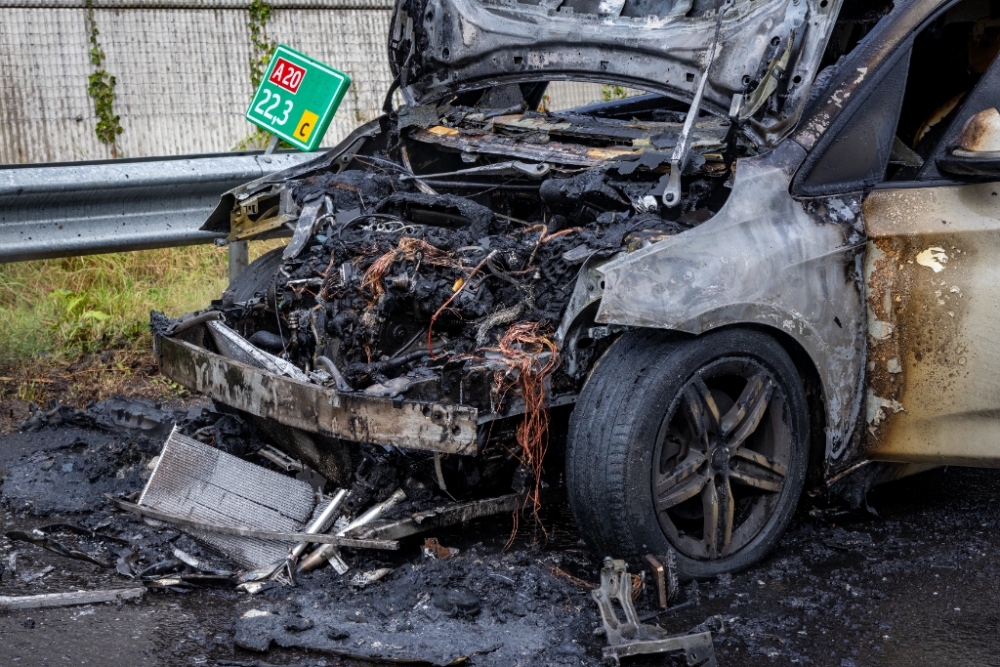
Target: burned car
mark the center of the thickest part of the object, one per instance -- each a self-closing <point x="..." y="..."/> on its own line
<point x="773" y="266"/>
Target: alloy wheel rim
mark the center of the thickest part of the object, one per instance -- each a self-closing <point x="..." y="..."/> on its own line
<point x="721" y="459"/>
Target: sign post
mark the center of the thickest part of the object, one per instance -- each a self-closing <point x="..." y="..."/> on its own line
<point x="295" y="101"/>
<point x="297" y="98"/>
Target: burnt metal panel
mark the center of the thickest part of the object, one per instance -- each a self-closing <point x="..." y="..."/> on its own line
<point x="627" y="141"/>
<point x="225" y="219"/>
<point x="313" y="408"/>
<point x="442" y="47"/>
<point x="852" y="72"/>
<point x="933" y="294"/>
<point x="765" y="259"/>
<point x="854" y="153"/>
<point x="441" y="517"/>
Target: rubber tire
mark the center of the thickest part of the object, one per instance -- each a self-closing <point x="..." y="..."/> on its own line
<point x="612" y="434"/>
<point x="257" y="276"/>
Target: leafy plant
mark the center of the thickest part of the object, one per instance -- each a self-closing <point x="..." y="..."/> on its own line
<point x="613" y="93"/>
<point x="78" y="321"/>
<point x="101" y="88"/>
<point x="358" y="115"/>
<point x="35" y="326"/>
<point x="261" y="46"/>
<point x="31" y="392"/>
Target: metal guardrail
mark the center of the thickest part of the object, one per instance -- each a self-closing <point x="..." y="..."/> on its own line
<point x="81" y="208"/>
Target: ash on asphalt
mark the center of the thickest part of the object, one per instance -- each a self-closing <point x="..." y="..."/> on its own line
<point x="915" y="584"/>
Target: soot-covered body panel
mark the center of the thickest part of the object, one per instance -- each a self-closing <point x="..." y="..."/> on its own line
<point x="767" y="260"/>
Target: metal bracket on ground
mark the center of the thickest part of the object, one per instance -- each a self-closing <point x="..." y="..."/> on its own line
<point x="665" y="577"/>
<point x="631" y="637"/>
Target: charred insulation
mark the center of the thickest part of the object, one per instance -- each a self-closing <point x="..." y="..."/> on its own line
<point x="364" y="292"/>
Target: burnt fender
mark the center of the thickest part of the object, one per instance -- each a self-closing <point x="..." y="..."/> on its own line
<point x="765" y="259"/>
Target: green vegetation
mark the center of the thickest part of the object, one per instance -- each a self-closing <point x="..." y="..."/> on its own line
<point x="261" y="51"/>
<point x="261" y="46"/>
<point x="613" y="93"/>
<point x="101" y="88"/>
<point x="359" y="116"/>
<point x="55" y="310"/>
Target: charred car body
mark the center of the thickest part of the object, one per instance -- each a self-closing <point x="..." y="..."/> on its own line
<point x="775" y="264"/>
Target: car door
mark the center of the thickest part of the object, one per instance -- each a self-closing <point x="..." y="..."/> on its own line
<point x="932" y="274"/>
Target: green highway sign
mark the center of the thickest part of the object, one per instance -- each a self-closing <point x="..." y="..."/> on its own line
<point x="297" y="98"/>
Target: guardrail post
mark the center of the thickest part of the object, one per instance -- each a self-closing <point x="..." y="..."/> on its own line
<point x="239" y="251"/>
<point x="239" y="258"/>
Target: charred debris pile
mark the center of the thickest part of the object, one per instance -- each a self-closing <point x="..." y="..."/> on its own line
<point x="448" y="285"/>
<point x="480" y="601"/>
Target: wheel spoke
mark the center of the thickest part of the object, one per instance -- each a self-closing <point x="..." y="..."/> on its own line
<point x="710" y="507"/>
<point x="727" y="510"/>
<point x="757" y="471"/>
<point x="701" y="411"/>
<point x="745" y="416"/>
<point x="680" y="491"/>
<point x="681" y="472"/>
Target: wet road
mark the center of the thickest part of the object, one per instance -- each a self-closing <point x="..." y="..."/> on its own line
<point x="915" y="585"/>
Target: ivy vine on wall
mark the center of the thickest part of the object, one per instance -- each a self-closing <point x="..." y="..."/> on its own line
<point x="261" y="46"/>
<point x="261" y="50"/>
<point x="101" y="88"/>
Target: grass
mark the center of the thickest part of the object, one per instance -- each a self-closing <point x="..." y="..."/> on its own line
<point x="93" y="311"/>
<point x="74" y="330"/>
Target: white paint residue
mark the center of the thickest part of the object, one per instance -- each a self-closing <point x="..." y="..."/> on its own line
<point x="611" y="7"/>
<point x="862" y="72"/>
<point x="933" y="258"/>
<point x="877" y="409"/>
<point x="469" y="32"/>
<point x="879" y="329"/>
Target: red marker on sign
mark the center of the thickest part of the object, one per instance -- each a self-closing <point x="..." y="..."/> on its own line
<point x="287" y="75"/>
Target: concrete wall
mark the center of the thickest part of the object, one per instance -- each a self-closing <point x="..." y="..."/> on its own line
<point x="182" y="72"/>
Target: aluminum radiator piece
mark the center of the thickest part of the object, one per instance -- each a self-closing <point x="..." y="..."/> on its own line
<point x="202" y="483"/>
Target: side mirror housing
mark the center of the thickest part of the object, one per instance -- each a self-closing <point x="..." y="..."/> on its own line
<point x="977" y="148"/>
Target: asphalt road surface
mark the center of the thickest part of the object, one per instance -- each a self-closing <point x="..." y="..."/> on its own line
<point x="913" y="581"/>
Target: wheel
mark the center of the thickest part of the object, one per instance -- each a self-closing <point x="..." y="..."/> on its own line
<point x="700" y="446"/>
<point x="257" y="276"/>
